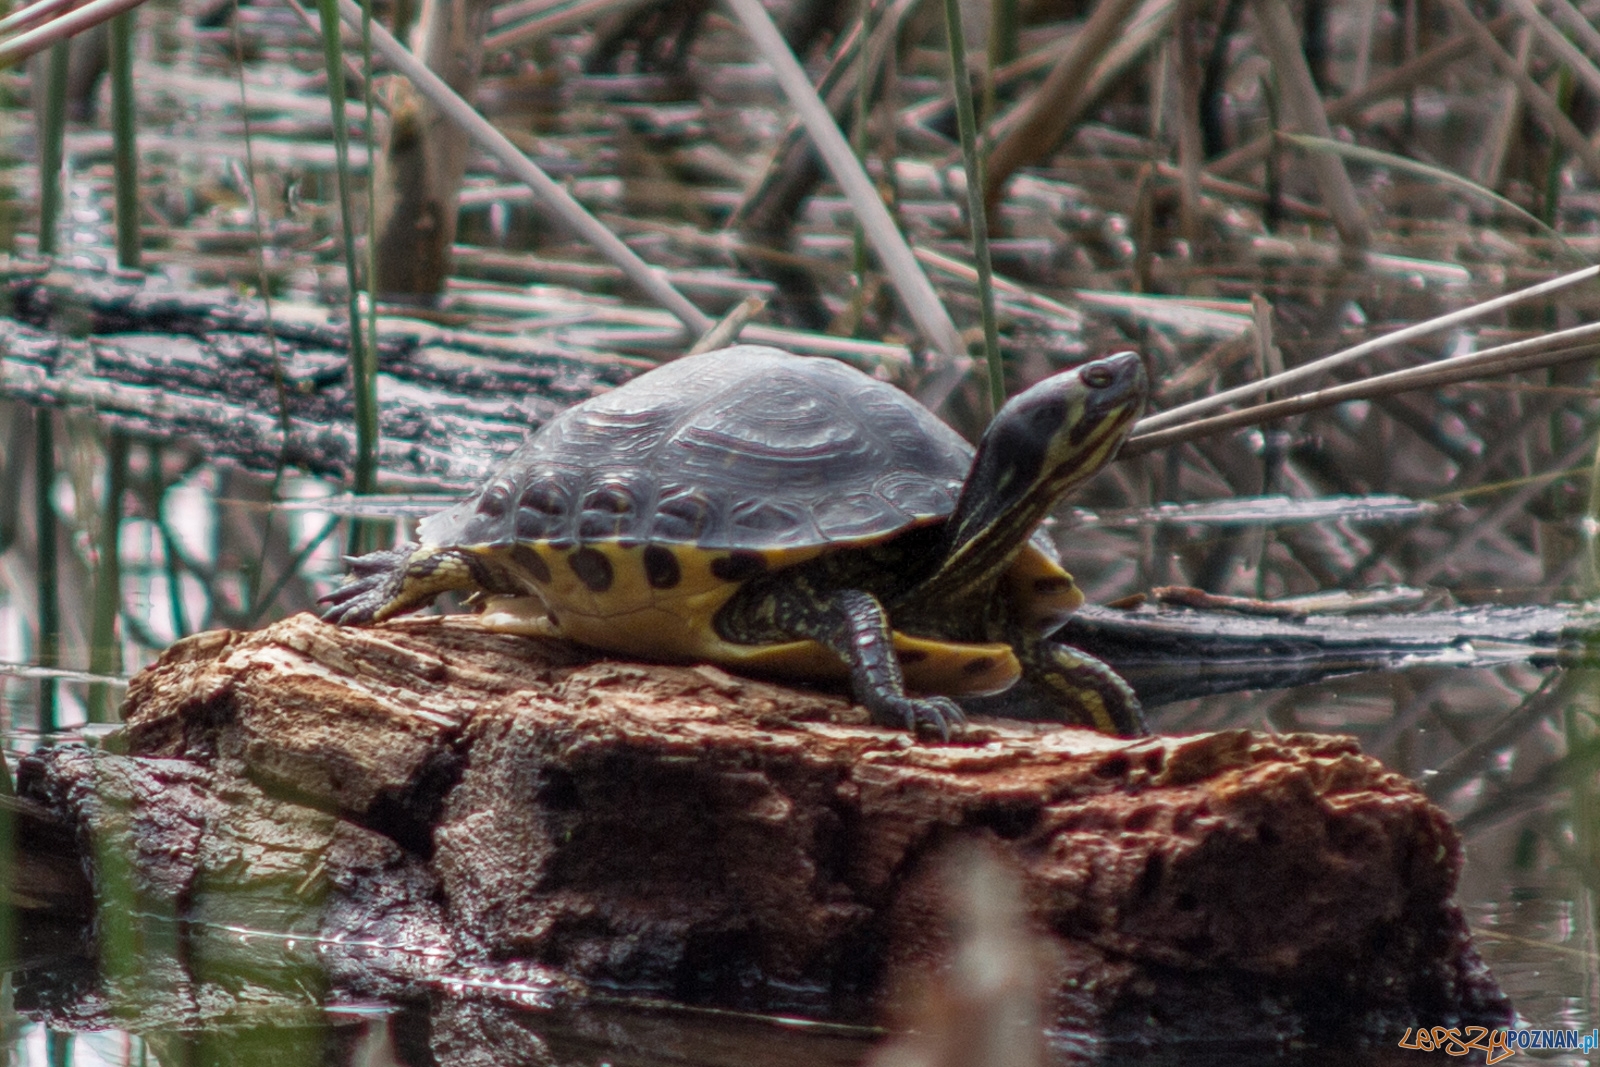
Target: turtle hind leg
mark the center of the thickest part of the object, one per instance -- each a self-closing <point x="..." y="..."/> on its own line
<point x="853" y="625"/>
<point x="1091" y="693"/>
<point x="396" y="580"/>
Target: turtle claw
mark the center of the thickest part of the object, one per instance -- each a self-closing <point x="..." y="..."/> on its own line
<point x="355" y="602"/>
<point x="939" y="715"/>
<point x="375" y="581"/>
<point x="383" y="561"/>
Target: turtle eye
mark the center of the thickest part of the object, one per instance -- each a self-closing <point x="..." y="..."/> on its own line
<point x="1096" y="376"/>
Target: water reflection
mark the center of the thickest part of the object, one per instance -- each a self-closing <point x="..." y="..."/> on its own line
<point x="363" y="1042"/>
<point x="476" y="1034"/>
<point x="448" y="1033"/>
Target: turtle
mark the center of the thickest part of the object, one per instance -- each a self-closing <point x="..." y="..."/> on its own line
<point x="789" y="516"/>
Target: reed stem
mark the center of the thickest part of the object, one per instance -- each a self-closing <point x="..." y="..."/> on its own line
<point x="44" y="453"/>
<point x="105" y="650"/>
<point x="977" y="214"/>
<point x="363" y="373"/>
<point x="52" y="128"/>
<point x="124" y="142"/>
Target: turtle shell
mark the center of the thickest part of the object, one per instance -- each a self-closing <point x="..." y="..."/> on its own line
<point x="633" y="517"/>
<point x="748" y="448"/>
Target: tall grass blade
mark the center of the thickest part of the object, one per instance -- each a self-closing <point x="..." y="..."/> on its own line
<point x="52" y="128"/>
<point x="33" y="14"/>
<point x="1555" y="165"/>
<point x="917" y="293"/>
<point x="44" y="480"/>
<point x="124" y="141"/>
<point x="1495" y="519"/>
<point x="1005" y="23"/>
<point x="1542" y="104"/>
<point x="1557" y="42"/>
<point x="552" y="197"/>
<point x="367" y="536"/>
<point x="1404" y="78"/>
<point x="363" y="372"/>
<point x="858" y="144"/>
<point x="105" y="650"/>
<point x="1548" y="350"/>
<point x="1378" y="157"/>
<point x="56" y="31"/>
<point x="1298" y="95"/>
<point x="1576" y="24"/>
<point x="1305" y="371"/>
<point x="1060" y="100"/>
<point x="977" y="211"/>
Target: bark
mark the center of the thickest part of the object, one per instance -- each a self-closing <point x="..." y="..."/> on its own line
<point x="449" y="810"/>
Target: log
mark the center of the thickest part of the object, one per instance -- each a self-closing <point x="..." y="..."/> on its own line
<point x="1176" y="653"/>
<point x="214" y="370"/>
<point x="426" y="807"/>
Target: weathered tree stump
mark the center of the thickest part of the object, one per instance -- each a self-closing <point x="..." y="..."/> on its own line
<point x="436" y="808"/>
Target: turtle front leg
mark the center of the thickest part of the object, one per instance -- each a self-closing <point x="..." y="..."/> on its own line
<point x="387" y="583"/>
<point x="853" y="625"/>
<point x="1092" y="693"/>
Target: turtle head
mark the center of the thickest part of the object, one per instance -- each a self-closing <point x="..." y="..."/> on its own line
<point x="1042" y="444"/>
<point x="1059" y="433"/>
